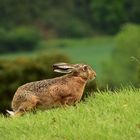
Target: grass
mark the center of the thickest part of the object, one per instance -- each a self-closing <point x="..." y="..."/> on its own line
<point x="107" y="116"/>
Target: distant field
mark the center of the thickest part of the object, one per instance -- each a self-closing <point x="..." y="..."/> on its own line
<point x="93" y="51"/>
<point x="107" y="116"/>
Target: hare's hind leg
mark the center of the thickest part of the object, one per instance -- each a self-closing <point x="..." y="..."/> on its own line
<point x="29" y="104"/>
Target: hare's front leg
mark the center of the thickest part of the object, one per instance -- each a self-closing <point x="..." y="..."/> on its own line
<point x="68" y="100"/>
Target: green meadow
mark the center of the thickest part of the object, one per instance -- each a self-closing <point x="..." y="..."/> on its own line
<point x="105" y="116"/>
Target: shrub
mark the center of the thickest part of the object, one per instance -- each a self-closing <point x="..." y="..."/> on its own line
<point x="120" y="69"/>
<point x="18" y="39"/>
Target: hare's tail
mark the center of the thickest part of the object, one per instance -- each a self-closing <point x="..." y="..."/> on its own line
<point x="11" y="113"/>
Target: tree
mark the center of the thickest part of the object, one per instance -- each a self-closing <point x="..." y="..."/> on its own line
<point x="107" y="15"/>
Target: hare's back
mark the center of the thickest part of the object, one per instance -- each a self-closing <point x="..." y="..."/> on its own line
<point x="37" y="86"/>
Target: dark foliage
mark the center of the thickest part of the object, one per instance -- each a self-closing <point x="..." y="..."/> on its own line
<point x="62" y="17"/>
<point x="18" y="39"/>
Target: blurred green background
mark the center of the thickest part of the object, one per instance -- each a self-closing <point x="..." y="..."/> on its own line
<point x="34" y="34"/>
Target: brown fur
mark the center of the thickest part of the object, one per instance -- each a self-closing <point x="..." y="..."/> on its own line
<point x="56" y="92"/>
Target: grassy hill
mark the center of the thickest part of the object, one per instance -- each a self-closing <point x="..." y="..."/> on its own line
<point x="105" y="116"/>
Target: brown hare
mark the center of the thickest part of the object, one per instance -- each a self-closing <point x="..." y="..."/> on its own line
<point x="56" y="92"/>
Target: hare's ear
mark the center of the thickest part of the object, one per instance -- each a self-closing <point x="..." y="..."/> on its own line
<point x="63" y="67"/>
<point x="62" y="70"/>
